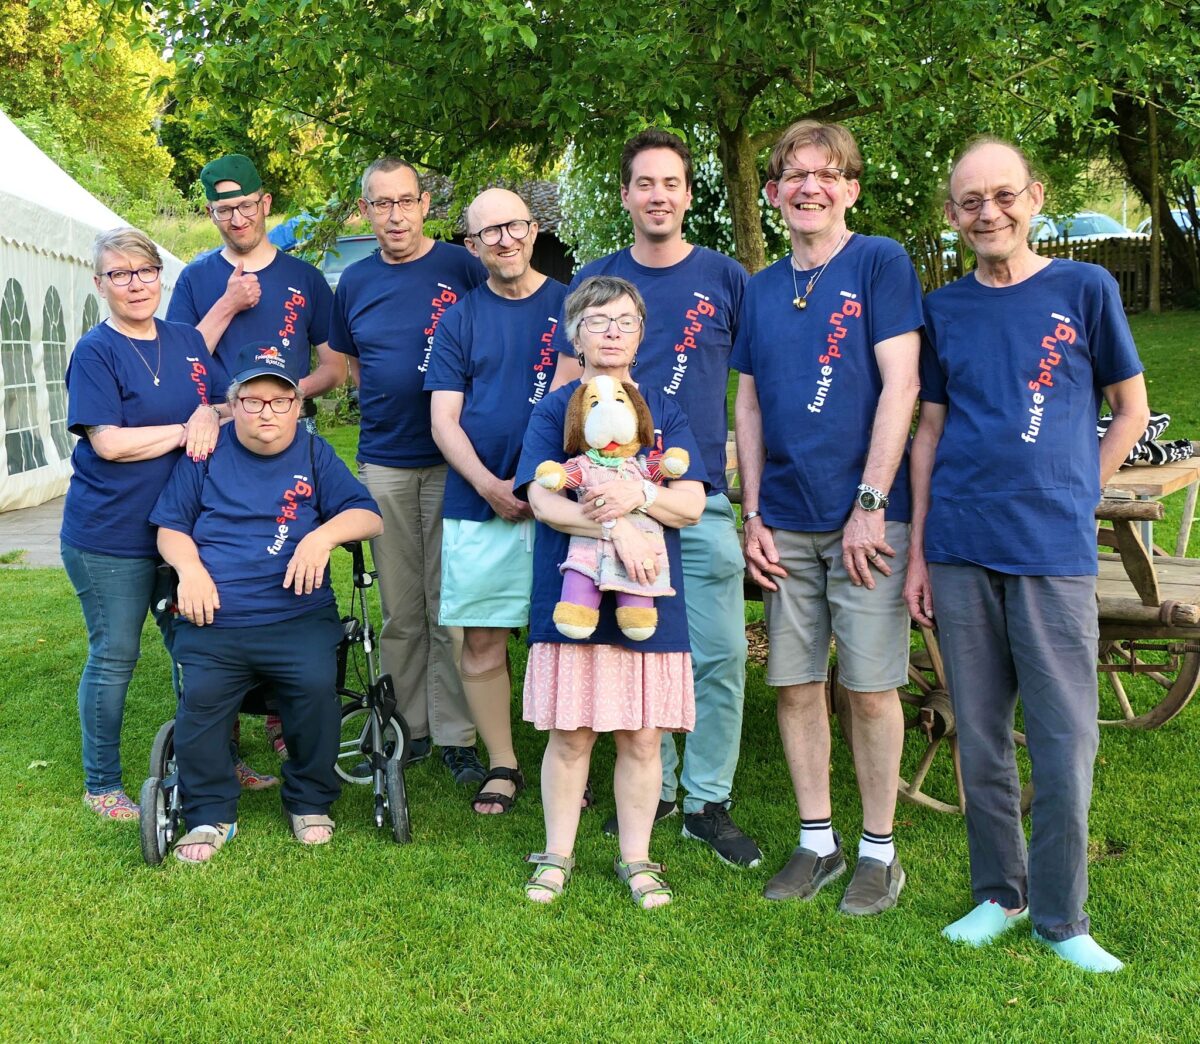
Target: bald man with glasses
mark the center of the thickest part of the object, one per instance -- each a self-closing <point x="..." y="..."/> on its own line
<point x="386" y="312"/>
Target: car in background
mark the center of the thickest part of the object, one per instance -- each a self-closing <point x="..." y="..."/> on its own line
<point x="1182" y="218"/>
<point x="1086" y="226"/>
<point x="344" y="252"/>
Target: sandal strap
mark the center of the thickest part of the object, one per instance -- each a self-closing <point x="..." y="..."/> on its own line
<point x="639" y="866"/>
<point x="509" y="775"/>
<point x="547" y="861"/>
<point x="208" y="835"/>
<point x="552" y="859"/>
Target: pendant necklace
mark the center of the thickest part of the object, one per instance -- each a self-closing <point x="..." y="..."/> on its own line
<point x="801" y="303"/>
<point x="158" y="345"/>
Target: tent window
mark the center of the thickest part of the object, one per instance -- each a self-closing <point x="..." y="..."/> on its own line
<point x="21" y="440"/>
<point x="91" y="313"/>
<point x="54" y="355"/>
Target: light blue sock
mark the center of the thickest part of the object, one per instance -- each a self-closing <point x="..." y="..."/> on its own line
<point x="985" y="924"/>
<point x="1084" y="952"/>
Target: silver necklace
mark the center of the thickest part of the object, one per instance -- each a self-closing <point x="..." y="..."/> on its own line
<point x="158" y="345"/>
<point x="801" y="303"/>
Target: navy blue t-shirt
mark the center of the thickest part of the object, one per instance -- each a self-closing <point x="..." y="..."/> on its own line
<point x="293" y="312"/>
<point x="108" y="501"/>
<point x="692" y="311"/>
<point x="818" y="381"/>
<point x="498" y="352"/>
<point x="1020" y="369"/>
<point x="544" y="441"/>
<point x="247" y="512"/>
<point x="386" y="316"/>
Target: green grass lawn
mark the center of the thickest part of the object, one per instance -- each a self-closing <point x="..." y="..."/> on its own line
<point x="366" y="940"/>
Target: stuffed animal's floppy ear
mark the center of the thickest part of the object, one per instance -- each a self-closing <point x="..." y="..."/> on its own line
<point x="573" y="428"/>
<point x="645" y="423"/>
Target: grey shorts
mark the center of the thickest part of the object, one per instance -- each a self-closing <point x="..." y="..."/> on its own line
<point x="816" y="599"/>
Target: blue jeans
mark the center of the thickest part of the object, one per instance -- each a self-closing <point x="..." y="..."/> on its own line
<point x="713" y="568"/>
<point x="115" y="593"/>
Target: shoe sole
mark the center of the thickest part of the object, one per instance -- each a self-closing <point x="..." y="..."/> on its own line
<point x="833" y="875"/>
<point x="728" y="862"/>
<point x="881" y="904"/>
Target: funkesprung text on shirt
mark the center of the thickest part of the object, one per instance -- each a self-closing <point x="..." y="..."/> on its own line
<point x="1052" y="347"/>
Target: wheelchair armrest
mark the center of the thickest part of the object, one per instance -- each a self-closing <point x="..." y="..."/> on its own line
<point x="363" y="577"/>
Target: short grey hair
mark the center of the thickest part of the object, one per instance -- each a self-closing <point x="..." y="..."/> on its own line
<point x="594" y="292"/>
<point x="385" y="165"/>
<point x="129" y="241"/>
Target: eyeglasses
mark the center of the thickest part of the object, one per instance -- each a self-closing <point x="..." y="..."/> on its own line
<point x="247" y="208"/>
<point x="253" y="404"/>
<point x="383" y="207"/>
<point x="490" y="235"/>
<point x="1004" y="199"/>
<point x="600" y="323"/>
<point x="123" y="276"/>
<point x="794" y="177"/>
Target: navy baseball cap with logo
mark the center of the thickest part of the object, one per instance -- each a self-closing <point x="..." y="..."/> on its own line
<point x="263" y="359"/>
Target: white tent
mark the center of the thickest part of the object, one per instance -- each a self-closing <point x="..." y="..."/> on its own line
<point x="47" y="301"/>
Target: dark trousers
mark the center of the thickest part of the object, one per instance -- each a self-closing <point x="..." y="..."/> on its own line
<point x="1038" y="635"/>
<point x="218" y="666"/>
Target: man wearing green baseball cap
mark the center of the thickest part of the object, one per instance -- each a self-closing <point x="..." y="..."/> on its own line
<point x="249" y="290"/>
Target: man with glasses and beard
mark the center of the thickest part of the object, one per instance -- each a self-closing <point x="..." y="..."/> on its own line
<point x="1006" y="474"/>
<point x="386" y="311"/>
<point x="492" y="362"/>
<point x="251" y="291"/>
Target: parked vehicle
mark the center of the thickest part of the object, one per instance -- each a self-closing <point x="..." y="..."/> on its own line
<point x="1182" y="218"/>
<point x="345" y="251"/>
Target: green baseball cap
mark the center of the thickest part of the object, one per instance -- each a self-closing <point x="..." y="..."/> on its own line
<point x="236" y="168"/>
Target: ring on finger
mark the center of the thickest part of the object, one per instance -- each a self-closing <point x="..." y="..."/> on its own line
<point x="599" y="502"/>
<point x="647" y="563"/>
<point x="873" y="555"/>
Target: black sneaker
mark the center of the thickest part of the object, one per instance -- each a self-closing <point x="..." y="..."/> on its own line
<point x="418" y="750"/>
<point x="665" y="810"/>
<point x="716" y="829"/>
<point x="464" y="764"/>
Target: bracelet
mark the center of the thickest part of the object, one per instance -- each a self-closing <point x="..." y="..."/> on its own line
<point x="746" y="516"/>
<point x="215" y="410"/>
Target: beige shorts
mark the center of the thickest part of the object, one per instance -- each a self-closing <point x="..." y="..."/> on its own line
<point x="817" y="599"/>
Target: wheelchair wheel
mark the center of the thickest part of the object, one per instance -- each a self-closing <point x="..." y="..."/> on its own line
<point x="162" y="752"/>
<point x="397" y="802"/>
<point x="154" y="821"/>
<point x="353" y="765"/>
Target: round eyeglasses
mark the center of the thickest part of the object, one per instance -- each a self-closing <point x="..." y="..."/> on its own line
<point x="490" y="235"/>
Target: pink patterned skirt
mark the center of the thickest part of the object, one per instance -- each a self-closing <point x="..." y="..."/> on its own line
<point x="607" y="687"/>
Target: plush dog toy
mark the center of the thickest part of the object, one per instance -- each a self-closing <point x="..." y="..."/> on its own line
<point x="607" y="423"/>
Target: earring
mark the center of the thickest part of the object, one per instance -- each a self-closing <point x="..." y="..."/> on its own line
<point x="633" y="362"/>
<point x="579" y="358"/>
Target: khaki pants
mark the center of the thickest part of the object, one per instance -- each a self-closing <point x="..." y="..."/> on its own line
<point x="417" y="652"/>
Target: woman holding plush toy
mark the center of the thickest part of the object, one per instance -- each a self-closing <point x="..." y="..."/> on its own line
<point x="601" y="466"/>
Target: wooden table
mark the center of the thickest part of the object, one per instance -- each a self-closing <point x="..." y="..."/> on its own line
<point x="1143" y="481"/>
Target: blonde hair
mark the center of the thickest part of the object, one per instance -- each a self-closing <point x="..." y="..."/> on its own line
<point x="832" y="137"/>
<point x="129" y="241"/>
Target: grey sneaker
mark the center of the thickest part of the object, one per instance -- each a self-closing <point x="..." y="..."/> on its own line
<point x="806" y="873"/>
<point x="874" y="887"/>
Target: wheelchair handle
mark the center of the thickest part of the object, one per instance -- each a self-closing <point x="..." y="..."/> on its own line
<point x="363" y="577"/>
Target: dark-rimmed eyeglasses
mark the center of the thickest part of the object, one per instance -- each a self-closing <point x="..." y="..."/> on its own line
<point x="123" y="276"/>
<point x="1004" y="199"/>
<point x="247" y="208"/>
<point x="794" y="177"/>
<point x="490" y="235"/>
<point x="253" y="404"/>
<point x="599" y="324"/>
<point x="383" y="207"/>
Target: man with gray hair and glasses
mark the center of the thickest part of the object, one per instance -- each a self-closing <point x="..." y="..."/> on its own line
<point x="386" y="311"/>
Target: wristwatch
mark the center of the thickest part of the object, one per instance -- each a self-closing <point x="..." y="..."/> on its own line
<point x="870" y="499"/>
<point x="650" y="492"/>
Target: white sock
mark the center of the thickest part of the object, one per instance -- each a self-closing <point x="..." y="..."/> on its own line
<point x="876" y="846"/>
<point x="817" y="836"/>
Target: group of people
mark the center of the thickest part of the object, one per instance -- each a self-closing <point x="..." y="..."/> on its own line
<point x="477" y="374"/>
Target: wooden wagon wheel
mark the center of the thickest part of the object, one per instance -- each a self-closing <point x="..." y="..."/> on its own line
<point x="929" y="728"/>
<point x="1145" y="682"/>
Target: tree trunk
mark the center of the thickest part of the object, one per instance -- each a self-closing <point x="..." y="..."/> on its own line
<point x="1156" y="214"/>
<point x="741" y="185"/>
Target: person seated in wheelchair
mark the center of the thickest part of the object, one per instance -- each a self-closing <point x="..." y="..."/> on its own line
<point x="249" y="533"/>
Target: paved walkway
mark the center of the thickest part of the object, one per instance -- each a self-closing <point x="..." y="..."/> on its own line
<point x="35" y="531"/>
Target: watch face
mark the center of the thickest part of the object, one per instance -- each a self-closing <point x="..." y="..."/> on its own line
<point x="868" y="501"/>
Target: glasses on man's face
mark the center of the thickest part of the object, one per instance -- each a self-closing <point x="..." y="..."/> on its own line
<point x="794" y="177"/>
<point x="1004" y="199"/>
<point x="599" y="324"/>
<point x="383" y="207"/>
<point x="123" y="276"/>
<point x="253" y="404"/>
<point x="247" y="208"/>
<point x="490" y="235"/>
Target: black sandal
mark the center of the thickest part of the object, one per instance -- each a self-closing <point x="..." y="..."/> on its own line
<point x="485" y="797"/>
<point x="589" y="798"/>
